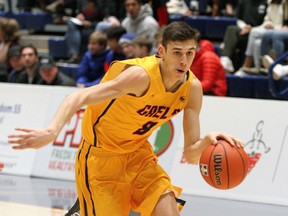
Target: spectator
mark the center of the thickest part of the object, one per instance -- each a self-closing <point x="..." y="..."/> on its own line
<point x="30" y="60"/>
<point x="80" y="28"/>
<point x="279" y="71"/>
<point x="223" y="7"/>
<point x="249" y="13"/>
<point x="272" y="20"/>
<point x="140" y="19"/>
<point x="158" y="39"/>
<point x="14" y="60"/>
<point x="91" y="67"/>
<point x="58" y="8"/>
<point x="115" y="50"/>
<point x="207" y="67"/>
<point x="142" y="46"/>
<point x="127" y="46"/>
<point x="275" y="42"/>
<point x="9" y="37"/>
<point x="51" y="75"/>
<point x="160" y="12"/>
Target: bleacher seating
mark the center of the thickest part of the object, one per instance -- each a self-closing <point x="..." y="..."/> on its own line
<point x="58" y="48"/>
<point x="254" y="86"/>
<point x="212" y="28"/>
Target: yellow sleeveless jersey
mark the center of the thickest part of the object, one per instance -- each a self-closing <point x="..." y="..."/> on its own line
<point x="122" y="125"/>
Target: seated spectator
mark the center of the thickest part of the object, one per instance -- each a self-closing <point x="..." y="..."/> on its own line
<point x="139" y="19"/>
<point x="91" y="67"/>
<point x="275" y="42"/>
<point x="249" y="13"/>
<point x="127" y="46"/>
<point x="14" y="60"/>
<point x="9" y="37"/>
<point x="115" y="50"/>
<point x="160" y="12"/>
<point x="208" y="69"/>
<point x="51" y="75"/>
<point x="223" y="7"/>
<point x="30" y="60"/>
<point x="272" y="20"/>
<point x="79" y="29"/>
<point x="142" y="46"/>
<point x="279" y="71"/>
<point x="177" y="7"/>
<point x="158" y="39"/>
<point x="58" y="9"/>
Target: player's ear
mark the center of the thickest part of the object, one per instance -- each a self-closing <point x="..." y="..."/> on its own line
<point x="161" y="50"/>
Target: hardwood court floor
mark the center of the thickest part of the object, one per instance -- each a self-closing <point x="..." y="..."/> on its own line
<point x="23" y="196"/>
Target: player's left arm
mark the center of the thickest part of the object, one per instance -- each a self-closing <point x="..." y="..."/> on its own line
<point x="193" y="145"/>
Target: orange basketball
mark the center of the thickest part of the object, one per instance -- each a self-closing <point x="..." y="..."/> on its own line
<point x="223" y="166"/>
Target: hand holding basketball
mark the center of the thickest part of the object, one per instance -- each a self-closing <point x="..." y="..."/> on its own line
<point x="223" y="166"/>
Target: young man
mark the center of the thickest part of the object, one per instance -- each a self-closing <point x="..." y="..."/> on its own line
<point x="30" y="61"/>
<point x="116" y="169"/>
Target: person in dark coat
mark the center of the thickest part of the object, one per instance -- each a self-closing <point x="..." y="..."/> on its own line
<point x="51" y="75"/>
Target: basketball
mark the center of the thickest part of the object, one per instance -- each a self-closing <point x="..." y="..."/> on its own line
<point x="223" y="166"/>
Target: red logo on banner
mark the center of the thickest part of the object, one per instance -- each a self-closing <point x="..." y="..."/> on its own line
<point x="71" y="133"/>
<point x="256" y="146"/>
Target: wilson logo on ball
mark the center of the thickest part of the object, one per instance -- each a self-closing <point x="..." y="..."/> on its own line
<point x="224" y="166"/>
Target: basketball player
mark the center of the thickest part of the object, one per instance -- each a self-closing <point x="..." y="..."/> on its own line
<point x="116" y="169"/>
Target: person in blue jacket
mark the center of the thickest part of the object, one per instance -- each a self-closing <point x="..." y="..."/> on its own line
<point x="91" y="67"/>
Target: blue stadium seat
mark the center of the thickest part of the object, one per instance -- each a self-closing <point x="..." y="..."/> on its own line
<point x="32" y="21"/>
<point x="70" y="70"/>
<point x="215" y="27"/>
<point x="58" y="48"/>
<point x="240" y="86"/>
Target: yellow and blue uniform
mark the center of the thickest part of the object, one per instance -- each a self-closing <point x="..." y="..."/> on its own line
<point x="116" y="168"/>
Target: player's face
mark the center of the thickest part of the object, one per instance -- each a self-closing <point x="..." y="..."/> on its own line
<point x="177" y="57"/>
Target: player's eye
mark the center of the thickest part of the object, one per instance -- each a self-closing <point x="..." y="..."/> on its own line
<point x="190" y="53"/>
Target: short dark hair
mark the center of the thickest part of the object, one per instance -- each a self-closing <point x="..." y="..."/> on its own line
<point x="178" y="31"/>
<point x="115" y="32"/>
<point x="30" y="46"/>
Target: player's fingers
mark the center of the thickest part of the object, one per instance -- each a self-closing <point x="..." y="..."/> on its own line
<point x="19" y="147"/>
<point x="18" y="136"/>
<point x="235" y="141"/>
<point x="27" y="130"/>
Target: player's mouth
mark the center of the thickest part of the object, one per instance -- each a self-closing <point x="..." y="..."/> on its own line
<point x="181" y="71"/>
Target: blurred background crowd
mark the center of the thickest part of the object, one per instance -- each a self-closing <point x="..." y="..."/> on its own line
<point x="99" y="32"/>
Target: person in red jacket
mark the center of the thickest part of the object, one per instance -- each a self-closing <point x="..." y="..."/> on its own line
<point x="209" y="70"/>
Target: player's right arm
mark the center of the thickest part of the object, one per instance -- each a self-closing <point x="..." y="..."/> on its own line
<point x="133" y="80"/>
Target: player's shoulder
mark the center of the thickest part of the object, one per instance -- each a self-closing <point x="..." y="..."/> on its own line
<point x="196" y="87"/>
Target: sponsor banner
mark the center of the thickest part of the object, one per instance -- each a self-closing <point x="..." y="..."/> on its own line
<point x="263" y="127"/>
<point x="20" y="107"/>
<point x="57" y="159"/>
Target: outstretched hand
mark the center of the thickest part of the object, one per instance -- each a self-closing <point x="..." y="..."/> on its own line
<point x="31" y="138"/>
